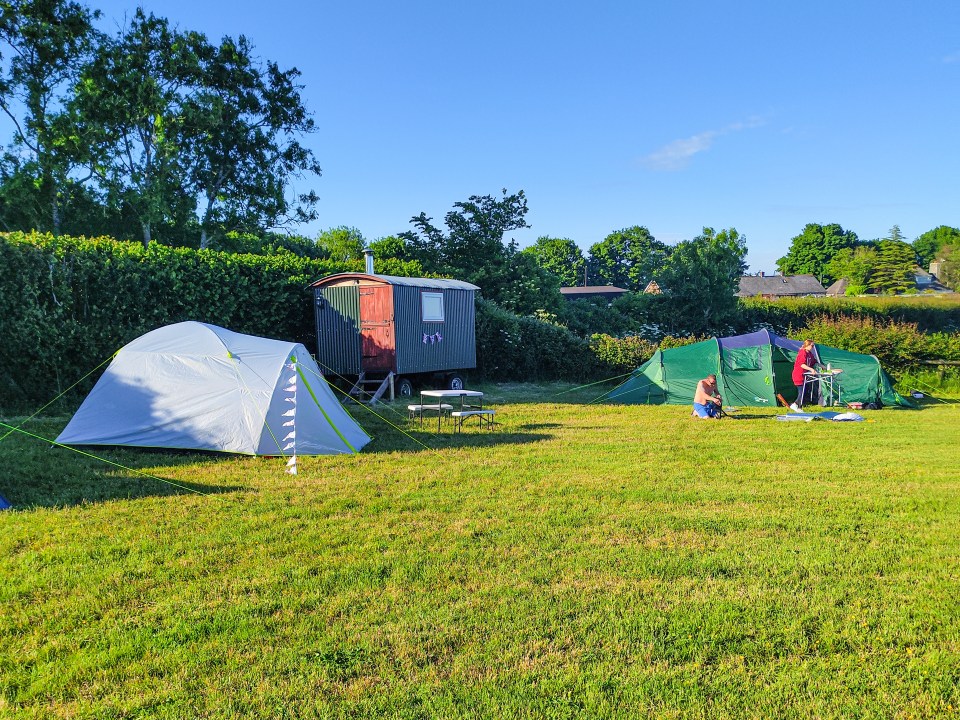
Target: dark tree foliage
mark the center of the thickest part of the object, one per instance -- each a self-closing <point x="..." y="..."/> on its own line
<point x="628" y="258"/>
<point x="928" y="246"/>
<point x="154" y="132"/>
<point x="561" y="257"/>
<point x="812" y="250"/>
<point x="699" y="283"/>
<point x="473" y="249"/>
<point x="893" y="270"/>
<point x="43" y="43"/>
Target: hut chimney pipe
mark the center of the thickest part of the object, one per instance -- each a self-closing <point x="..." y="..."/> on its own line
<point x="368" y="257"/>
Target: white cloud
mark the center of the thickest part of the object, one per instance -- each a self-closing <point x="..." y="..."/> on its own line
<point x="676" y="155"/>
<point x="952" y="58"/>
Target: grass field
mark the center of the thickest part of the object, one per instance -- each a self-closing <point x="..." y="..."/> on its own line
<point x="581" y="561"/>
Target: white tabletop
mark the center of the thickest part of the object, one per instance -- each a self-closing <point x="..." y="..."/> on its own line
<point x="451" y="393"/>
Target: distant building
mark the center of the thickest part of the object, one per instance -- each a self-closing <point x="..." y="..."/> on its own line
<point x="928" y="281"/>
<point x="653" y="288"/>
<point x="610" y="292"/>
<point x="778" y="286"/>
<point x="839" y="288"/>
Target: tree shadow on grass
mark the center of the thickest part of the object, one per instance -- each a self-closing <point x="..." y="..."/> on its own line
<point x="44" y="476"/>
<point x="426" y="440"/>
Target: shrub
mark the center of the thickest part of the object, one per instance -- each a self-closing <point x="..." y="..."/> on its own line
<point x="621" y="355"/>
<point x="69" y="303"/>
<point x="512" y="347"/>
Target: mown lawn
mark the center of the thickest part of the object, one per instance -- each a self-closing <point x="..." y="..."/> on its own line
<point x="580" y="561"/>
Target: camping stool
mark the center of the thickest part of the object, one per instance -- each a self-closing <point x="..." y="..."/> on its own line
<point x="484" y="417"/>
<point x="416" y="411"/>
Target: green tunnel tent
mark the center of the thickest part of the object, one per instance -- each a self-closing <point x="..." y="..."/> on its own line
<point x="751" y="370"/>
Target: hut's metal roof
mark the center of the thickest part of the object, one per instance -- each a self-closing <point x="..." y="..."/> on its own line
<point x="438" y="283"/>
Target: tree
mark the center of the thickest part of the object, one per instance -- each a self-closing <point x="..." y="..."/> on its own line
<point x="561" y="257"/>
<point x="342" y="243"/>
<point x="812" y="250"/>
<point x="893" y="272"/>
<point x="628" y="258"/>
<point x="239" y="146"/>
<point x="700" y="280"/>
<point x="129" y="101"/>
<point x="472" y="249"/>
<point x="46" y="42"/>
<point x="855" y="264"/>
<point x="928" y="245"/>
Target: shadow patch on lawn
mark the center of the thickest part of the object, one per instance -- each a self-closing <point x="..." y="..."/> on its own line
<point x="423" y="441"/>
<point x="43" y="478"/>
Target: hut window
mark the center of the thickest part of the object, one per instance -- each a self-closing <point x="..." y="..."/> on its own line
<point x="431" y="304"/>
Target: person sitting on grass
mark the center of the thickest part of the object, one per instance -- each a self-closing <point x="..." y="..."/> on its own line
<point x="707" y="401"/>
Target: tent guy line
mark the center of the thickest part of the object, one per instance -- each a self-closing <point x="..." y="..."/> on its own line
<point x="381" y="417"/>
<point x="31" y="417"/>
<point x="13" y="429"/>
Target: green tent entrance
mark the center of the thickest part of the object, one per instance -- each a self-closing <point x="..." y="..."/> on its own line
<point x="751" y="370"/>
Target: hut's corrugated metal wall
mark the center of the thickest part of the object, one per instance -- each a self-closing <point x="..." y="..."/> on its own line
<point x="457" y="350"/>
<point x="338" y="329"/>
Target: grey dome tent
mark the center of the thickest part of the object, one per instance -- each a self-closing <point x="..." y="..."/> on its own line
<point x="196" y="386"/>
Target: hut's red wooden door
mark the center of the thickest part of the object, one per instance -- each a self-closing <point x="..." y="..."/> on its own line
<point x="378" y="347"/>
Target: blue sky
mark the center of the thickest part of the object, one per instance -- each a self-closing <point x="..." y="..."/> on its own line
<point x="762" y="116"/>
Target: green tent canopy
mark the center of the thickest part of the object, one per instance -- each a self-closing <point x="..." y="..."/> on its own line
<point x="751" y="370"/>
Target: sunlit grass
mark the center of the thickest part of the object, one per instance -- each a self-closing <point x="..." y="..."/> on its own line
<point x="580" y="561"/>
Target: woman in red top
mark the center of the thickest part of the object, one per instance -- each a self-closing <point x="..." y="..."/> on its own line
<point x="803" y="364"/>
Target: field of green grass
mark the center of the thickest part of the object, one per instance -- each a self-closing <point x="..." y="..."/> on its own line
<point x="580" y="561"/>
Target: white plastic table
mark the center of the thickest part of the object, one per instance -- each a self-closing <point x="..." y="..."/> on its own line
<point x="827" y="382"/>
<point x="450" y="394"/>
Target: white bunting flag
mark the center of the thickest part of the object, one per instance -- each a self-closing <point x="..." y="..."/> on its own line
<point x="290" y="423"/>
<point x="290" y="413"/>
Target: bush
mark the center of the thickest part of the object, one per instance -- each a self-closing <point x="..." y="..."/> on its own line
<point x="512" y="347"/>
<point x="70" y="303"/>
<point x="930" y="313"/>
<point x="621" y="355"/>
<point x="899" y="346"/>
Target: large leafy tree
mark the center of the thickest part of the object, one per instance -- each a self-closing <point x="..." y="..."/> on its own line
<point x="342" y="244"/>
<point x="42" y="45"/>
<point x="700" y="280"/>
<point x="239" y="142"/>
<point x="929" y="244"/>
<point x="628" y="258"/>
<point x="812" y="250"/>
<point x="855" y="264"/>
<point x="130" y="101"/>
<point x="473" y="249"/>
<point x="561" y="257"/>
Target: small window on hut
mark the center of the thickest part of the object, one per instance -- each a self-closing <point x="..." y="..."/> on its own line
<point x="431" y="304"/>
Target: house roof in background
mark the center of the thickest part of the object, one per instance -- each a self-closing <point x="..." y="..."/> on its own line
<point x="587" y="290"/>
<point x="779" y="285"/>
<point x="839" y="287"/>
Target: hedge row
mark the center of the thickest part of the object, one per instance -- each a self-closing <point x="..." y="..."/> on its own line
<point x="69" y="303"/>
<point x="929" y="313"/>
<point x="510" y="347"/>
